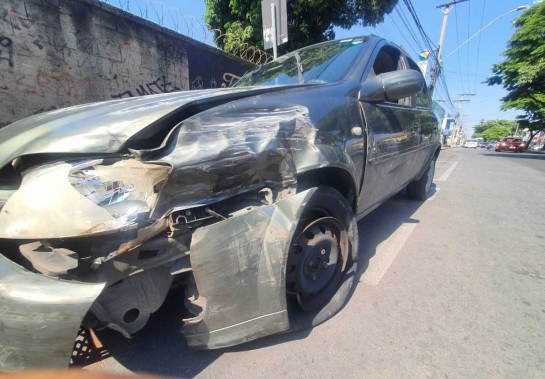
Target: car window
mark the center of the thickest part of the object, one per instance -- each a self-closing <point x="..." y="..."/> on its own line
<point x="390" y="59"/>
<point x="325" y="63"/>
<point x="422" y="98"/>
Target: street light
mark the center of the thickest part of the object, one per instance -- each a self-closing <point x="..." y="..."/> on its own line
<point x="519" y="8"/>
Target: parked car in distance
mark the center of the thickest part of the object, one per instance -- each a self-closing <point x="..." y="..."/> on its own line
<point x="470" y="143"/>
<point x="248" y="197"/>
<point x="515" y="144"/>
<point x="483" y="144"/>
<point x="535" y="146"/>
<point x="492" y="144"/>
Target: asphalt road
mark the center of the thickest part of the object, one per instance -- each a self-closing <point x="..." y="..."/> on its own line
<point x="453" y="287"/>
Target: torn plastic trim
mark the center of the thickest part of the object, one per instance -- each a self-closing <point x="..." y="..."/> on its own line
<point x="239" y="268"/>
<point x="87" y="198"/>
<point x="39" y="317"/>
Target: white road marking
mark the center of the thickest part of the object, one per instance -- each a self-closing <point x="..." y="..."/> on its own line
<point x="385" y="254"/>
<point x="435" y="193"/>
<point x="446" y="174"/>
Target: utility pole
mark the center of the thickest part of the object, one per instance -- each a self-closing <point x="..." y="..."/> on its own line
<point x="454" y="135"/>
<point x="274" y="39"/>
<point x="445" y="9"/>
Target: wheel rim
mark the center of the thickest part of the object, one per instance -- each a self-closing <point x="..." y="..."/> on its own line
<point x="431" y="172"/>
<point x="316" y="262"/>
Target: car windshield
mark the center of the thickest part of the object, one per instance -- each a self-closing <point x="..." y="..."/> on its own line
<point x="510" y="140"/>
<point x="325" y="63"/>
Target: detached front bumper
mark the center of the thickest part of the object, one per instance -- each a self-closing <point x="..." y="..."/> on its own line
<point x="39" y="317"/>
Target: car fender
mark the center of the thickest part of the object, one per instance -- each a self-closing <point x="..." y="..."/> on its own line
<point x="432" y="154"/>
<point x="239" y="147"/>
<point x="239" y="267"/>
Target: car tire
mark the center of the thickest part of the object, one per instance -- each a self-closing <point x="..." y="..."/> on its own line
<point x="419" y="189"/>
<point x="323" y="260"/>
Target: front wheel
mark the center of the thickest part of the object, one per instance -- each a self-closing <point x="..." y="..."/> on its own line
<point x="420" y="189"/>
<point x="322" y="261"/>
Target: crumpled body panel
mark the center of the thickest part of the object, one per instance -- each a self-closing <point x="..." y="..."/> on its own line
<point x="39" y="317"/>
<point x="106" y="127"/>
<point x="241" y="146"/>
<point x="239" y="267"/>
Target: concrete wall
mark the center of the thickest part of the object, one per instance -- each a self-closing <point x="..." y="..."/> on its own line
<point x="57" y="53"/>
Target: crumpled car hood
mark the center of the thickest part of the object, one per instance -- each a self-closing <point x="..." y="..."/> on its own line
<point x="104" y="127"/>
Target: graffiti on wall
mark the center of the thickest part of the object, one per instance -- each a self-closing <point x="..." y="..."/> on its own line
<point x="63" y="85"/>
<point x="159" y="85"/>
<point x="51" y="58"/>
<point x="13" y="17"/>
<point x="228" y="80"/>
<point x="6" y="51"/>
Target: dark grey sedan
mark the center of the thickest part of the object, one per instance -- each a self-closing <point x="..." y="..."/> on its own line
<point x="247" y="196"/>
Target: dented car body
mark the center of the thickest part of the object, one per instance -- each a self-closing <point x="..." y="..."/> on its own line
<point x="247" y="196"/>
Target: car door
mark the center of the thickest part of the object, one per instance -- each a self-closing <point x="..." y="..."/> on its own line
<point x="428" y="124"/>
<point x="393" y="136"/>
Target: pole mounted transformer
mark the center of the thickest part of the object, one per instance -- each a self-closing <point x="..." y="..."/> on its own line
<point x="274" y="14"/>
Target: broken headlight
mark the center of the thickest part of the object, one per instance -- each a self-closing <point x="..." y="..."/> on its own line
<point x="83" y="198"/>
<point x="126" y="189"/>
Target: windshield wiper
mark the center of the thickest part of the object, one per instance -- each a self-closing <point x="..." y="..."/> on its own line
<point x="299" y="69"/>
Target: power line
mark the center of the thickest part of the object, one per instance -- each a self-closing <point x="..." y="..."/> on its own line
<point x="468" y="23"/>
<point x="457" y="44"/>
<point x="479" y="47"/>
<point x="425" y="37"/>
<point x="409" y="43"/>
<point x="410" y="29"/>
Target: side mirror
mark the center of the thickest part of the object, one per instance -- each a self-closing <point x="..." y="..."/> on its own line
<point x="391" y="86"/>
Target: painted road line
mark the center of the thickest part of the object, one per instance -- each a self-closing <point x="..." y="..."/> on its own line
<point x="385" y="254"/>
<point x="446" y="174"/>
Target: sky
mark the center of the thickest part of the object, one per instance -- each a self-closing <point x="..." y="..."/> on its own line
<point x="465" y="69"/>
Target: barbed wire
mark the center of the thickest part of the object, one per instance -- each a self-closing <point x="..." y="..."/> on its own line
<point x="243" y="49"/>
<point x="158" y="12"/>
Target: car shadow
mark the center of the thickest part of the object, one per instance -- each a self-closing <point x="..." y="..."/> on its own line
<point x="160" y="348"/>
<point x="383" y="222"/>
<point x="525" y="155"/>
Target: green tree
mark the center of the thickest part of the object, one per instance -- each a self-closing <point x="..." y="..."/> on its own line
<point x="496" y="133"/>
<point x="508" y="126"/>
<point x="309" y="21"/>
<point x="522" y="73"/>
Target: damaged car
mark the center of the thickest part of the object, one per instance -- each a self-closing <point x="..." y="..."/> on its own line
<point x="246" y="196"/>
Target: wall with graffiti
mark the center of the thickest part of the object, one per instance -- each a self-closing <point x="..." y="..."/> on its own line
<point x="59" y="53"/>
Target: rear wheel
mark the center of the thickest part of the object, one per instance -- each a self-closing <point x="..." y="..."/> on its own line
<point x="322" y="262"/>
<point x="420" y="189"/>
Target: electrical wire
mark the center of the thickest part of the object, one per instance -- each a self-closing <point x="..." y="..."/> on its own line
<point x="410" y="30"/>
<point x="468" y="34"/>
<point x="431" y="46"/>
<point x="478" y="48"/>
<point x="421" y="30"/>
<point x="458" y="44"/>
